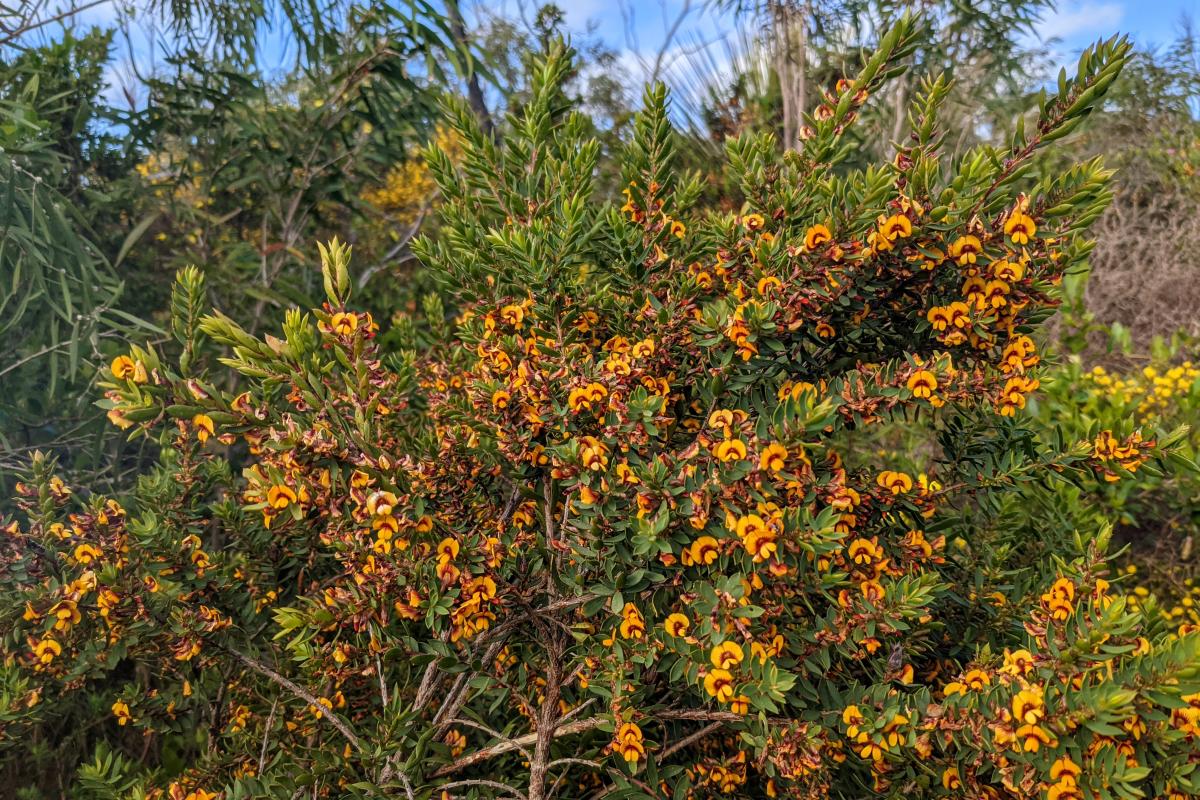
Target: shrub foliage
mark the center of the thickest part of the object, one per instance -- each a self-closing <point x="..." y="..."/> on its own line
<point x="612" y="535"/>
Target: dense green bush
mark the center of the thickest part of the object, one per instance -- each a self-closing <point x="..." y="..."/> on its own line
<point x="620" y="531"/>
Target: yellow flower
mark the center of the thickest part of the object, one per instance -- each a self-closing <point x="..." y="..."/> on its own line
<point x="121" y="710"/>
<point x="955" y="315"/>
<point x="966" y="249"/>
<point x="1028" y="707"/>
<point x="585" y="397"/>
<point x="593" y="453"/>
<point x="512" y="314"/>
<point x="976" y="679"/>
<point x="456" y="741"/>
<point x="628" y="743"/>
<point x="46" y="650"/>
<point x="280" y="496"/>
<point x="895" y="482"/>
<point x="643" y="349"/>
<point x="632" y="624"/>
<point x="922" y="384"/>
<point x="1034" y="737"/>
<point x="66" y="614"/>
<point x="86" y="553"/>
<point x="204" y="426"/>
<point x="343" y="323"/>
<point x="677" y="624"/>
<point x="730" y="450"/>
<point x="761" y="544"/>
<point x="125" y="368"/>
<point x="726" y="655"/>
<point x="719" y="684"/>
<point x="895" y="227"/>
<point x="117" y="417"/>
<point x="864" y="552"/>
<point x="1019" y="227"/>
<point x="773" y="457"/>
<point x="1017" y="662"/>
<point x="816" y="236"/>
<point x="851" y="715"/>
<point x="705" y="550"/>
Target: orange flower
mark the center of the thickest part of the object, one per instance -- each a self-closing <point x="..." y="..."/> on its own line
<point x="280" y="496"/>
<point x="922" y="384"/>
<point x="895" y="482"/>
<point x="705" y="550"/>
<point x="628" y="743"/>
<point x="633" y="626"/>
<point x="593" y="453"/>
<point x="730" y="450"/>
<point x="86" y="553"/>
<point x="512" y="314"/>
<point x="816" y="236"/>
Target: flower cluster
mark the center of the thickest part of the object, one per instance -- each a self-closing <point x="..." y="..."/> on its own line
<point x="618" y="532"/>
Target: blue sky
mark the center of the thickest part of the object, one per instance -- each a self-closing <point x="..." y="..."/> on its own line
<point x="1074" y="23"/>
<point x="638" y="34"/>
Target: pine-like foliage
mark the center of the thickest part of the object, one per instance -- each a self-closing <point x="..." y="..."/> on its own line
<point x="616" y="535"/>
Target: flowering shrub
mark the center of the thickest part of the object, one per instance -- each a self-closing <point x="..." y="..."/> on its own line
<point x="611" y="537"/>
<point x="1154" y="511"/>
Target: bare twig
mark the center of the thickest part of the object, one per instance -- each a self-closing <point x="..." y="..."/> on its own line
<point x="508" y="746"/>
<point x="25" y="26"/>
<point x="304" y="694"/>
<point x="383" y="688"/>
<point x="402" y="243"/>
<point x="689" y="740"/>
<point x="672" y="32"/>
<point x="262" y="753"/>
<point x="481" y="782"/>
<point x="493" y="733"/>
